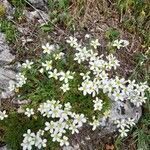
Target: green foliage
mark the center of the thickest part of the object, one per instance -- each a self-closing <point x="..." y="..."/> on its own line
<point x="39" y="91"/>
<point x="142" y="73"/>
<point x="59" y="13"/>
<point x="18" y="3"/>
<point x="141" y="134"/>
<point x="136" y="17"/>
<point x="39" y="88"/>
<point x="2" y="11"/>
<point x="9" y="29"/>
<point x="17" y="124"/>
<point x="112" y="34"/>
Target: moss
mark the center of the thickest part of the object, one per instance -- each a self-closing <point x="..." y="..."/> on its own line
<point x="2" y="10"/>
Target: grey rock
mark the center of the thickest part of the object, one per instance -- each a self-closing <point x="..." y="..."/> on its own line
<point x="3" y="148"/>
<point x="40" y="4"/>
<point x="6" y="70"/>
<point x="8" y="7"/>
<point x="84" y="139"/>
<point x="37" y="15"/>
<point x="5" y="55"/>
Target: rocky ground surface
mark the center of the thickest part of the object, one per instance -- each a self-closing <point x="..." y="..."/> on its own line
<point x="87" y="139"/>
<point x="7" y="72"/>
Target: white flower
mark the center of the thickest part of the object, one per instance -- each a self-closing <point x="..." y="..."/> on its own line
<point x="41" y="70"/>
<point x="58" y="56"/>
<point x="29" y="135"/>
<point x="27" y="64"/>
<point x="40" y="132"/>
<point x="92" y="55"/>
<point x="98" y="104"/>
<point x="48" y="48"/>
<point x="29" y="140"/>
<point x="87" y="36"/>
<point x="119" y="82"/>
<point x="123" y="132"/>
<point x="121" y="123"/>
<point x="64" y="115"/>
<point x="21" y="80"/>
<point x="72" y="41"/>
<point x="27" y="145"/>
<point x="64" y="141"/>
<point x="85" y="75"/>
<point x="43" y="143"/>
<point x="120" y="43"/>
<point x="39" y="142"/>
<point x="95" y="43"/>
<point x="113" y="62"/>
<point x="65" y="76"/>
<point x="29" y="112"/>
<point x="117" y="95"/>
<point x="55" y="112"/>
<point x="65" y="87"/>
<point x="95" y="123"/>
<point x="11" y="85"/>
<point x="130" y="122"/>
<point x="67" y="106"/>
<point x="89" y="87"/>
<point x="124" y="43"/>
<point x="49" y="126"/>
<point x="3" y="115"/>
<point x="97" y="64"/>
<point x="82" y="54"/>
<point x="74" y="128"/>
<point x="56" y="136"/>
<point x="79" y="119"/>
<point x="47" y="65"/>
<point x="60" y="127"/>
<point x="53" y="74"/>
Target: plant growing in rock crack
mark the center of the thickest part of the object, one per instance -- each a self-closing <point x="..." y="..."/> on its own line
<point x="66" y="90"/>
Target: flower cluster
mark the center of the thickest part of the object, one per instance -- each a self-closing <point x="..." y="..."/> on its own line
<point x="62" y="76"/>
<point x="31" y="139"/>
<point x="95" y="81"/>
<point x="20" y="81"/>
<point x="97" y="104"/>
<point x="124" y="125"/>
<point x="64" y="119"/>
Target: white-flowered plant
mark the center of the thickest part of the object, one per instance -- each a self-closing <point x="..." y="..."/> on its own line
<point x="29" y="112"/>
<point x="72" y="41"/>
<point x="95" y="123"/>
<point x="98" y="104"/>
<point x="120" y="43"/>
<point x="58" y="56"/>
<point x="53" y="74"/>
<point x="3" y="115"/>
<point x="47" y="65"/>
<point x="66" y="120"/>
<point x="27" y="64"/>
<point x="65" y="76"/>
<point x="31" y="139"/>
<point x="124" y="125"/>
<point x="48" y="48"/>
<point x="95" y="43"/>
<point x="86" y="82"/>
